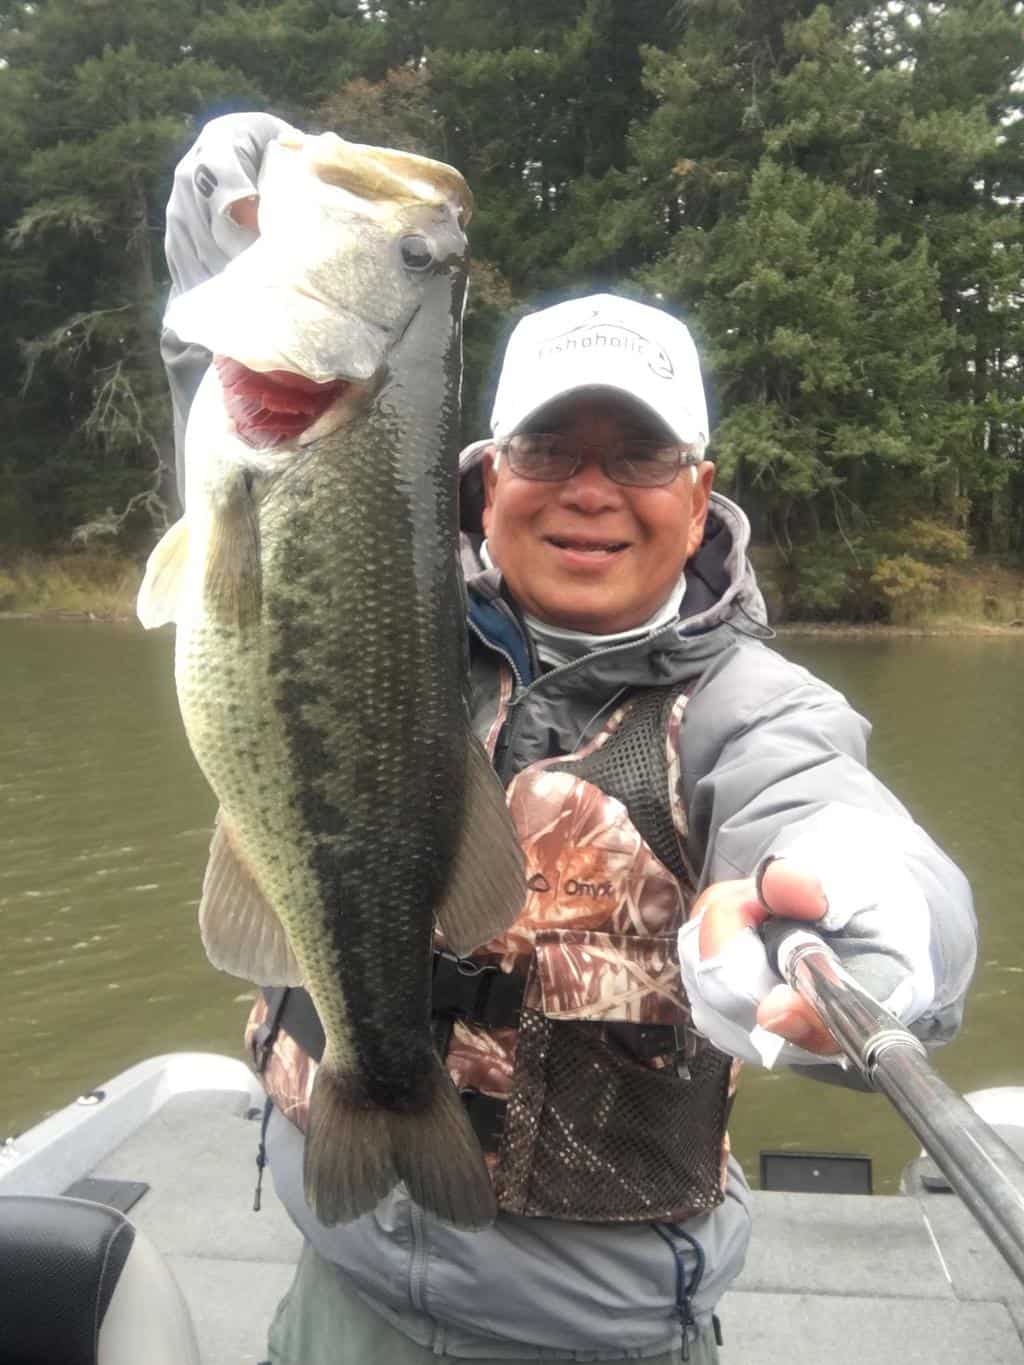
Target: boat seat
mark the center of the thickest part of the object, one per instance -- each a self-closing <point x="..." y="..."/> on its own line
<point x="80" y="1285"/>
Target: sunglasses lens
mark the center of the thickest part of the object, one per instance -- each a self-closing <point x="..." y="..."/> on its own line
<point x="541" y="456"/>
<point x="548" y="457"/>
<point x="643" y="464"/>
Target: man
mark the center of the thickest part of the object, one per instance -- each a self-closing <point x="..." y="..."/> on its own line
<point x="212" y="216"/>
<point x="669" y="775"/>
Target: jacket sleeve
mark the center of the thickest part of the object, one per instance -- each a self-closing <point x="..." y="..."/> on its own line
<point x="221" y="167"/>
<point x="774" y="763"/>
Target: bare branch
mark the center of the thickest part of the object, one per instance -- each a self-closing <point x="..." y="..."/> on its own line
<point x="116" y="418"/>
<point x="842" y="529"/>
<point x="66" y="341"/>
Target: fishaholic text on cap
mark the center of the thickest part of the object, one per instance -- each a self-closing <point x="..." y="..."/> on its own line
<point x="605" y="335"/>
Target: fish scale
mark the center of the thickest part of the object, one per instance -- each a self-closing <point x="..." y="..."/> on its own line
<point x="367" y="844"/>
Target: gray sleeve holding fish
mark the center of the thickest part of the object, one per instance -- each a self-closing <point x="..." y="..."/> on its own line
<point x="221" y="167"/>
<point x="775" y="765"/>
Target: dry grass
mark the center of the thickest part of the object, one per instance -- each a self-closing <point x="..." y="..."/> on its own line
<point x="86" y="584"/>
<point x="976" y="597"/>
<point x="977" y="593"/>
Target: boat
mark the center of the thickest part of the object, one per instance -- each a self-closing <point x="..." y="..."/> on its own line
<point x="165" y="1153"/>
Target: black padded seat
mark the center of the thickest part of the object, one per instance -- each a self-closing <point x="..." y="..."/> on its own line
<point x="80" y="1285"/>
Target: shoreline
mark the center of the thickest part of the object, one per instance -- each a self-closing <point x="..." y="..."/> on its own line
<point x="840" y="630"/>
<point x="103" y="618"/>
<point x="850" y="630"/>
<point x="979" y="599"/>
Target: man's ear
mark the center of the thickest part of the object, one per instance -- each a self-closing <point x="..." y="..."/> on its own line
<point x="490" y="477"/>
<point x="700" y="498"/>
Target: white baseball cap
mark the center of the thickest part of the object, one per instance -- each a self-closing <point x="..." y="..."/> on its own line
<point x="603" y="341"/>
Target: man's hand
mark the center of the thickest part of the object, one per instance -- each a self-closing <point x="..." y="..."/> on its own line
<point x="245" y="212"/>
<point x="729" y="908"/>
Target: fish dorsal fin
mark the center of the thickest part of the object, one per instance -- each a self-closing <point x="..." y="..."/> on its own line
<point x="157" y="603"/>
<point x="240" y="931"/>
<point x="487" y="886"/>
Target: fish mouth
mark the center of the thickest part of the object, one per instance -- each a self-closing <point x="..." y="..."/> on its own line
<point x="272" y="407"/>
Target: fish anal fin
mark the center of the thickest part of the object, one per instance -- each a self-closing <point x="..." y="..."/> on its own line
<point x="487" y="886"/>
<point x="240" y="931"/>
<point x="162" y="585"/>
<point x="233" y="587"/>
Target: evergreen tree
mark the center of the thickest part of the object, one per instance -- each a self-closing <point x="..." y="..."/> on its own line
<point x="103" y="95"/>
<point x="824" y="343"/>
<point x="907" y="111"/>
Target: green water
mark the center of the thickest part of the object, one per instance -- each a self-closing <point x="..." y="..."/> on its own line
<point x="104" y="824"/>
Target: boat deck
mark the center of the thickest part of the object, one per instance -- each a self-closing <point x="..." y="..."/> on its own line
<point x="837" y="1278"/>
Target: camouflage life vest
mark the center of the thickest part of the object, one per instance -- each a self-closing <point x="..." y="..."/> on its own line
<point x="571" y="1041"/>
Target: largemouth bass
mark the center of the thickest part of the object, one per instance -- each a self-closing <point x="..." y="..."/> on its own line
<point x="320" y="652"/>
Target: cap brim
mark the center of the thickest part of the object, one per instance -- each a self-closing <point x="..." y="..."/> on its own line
<point x="631" y="397"/>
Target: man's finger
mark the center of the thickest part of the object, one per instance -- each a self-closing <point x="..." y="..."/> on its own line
<point x="791" y="894"/>
<point x="786" y="1013"/>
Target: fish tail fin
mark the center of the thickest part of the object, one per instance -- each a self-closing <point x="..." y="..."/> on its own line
<point x="348" y="1164"/>
<point x="438" y="1157"/>
<point x="357" y="1153"/>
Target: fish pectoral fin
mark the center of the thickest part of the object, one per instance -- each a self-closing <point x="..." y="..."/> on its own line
<point x="233" y="588"/>
<point x="240" y="931"/>
<point x="487" y="886"/>
<point x="157" y="603"/>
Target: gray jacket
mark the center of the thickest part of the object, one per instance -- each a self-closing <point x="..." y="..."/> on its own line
<point x="772" y="758"/>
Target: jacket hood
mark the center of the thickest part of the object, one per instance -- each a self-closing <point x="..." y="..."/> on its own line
<point x="721" y="588"/>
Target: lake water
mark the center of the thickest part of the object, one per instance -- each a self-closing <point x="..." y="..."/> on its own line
<point x="104" y="826"/>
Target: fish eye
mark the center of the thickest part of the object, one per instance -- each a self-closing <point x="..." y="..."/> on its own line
<point x="416" y="252"/>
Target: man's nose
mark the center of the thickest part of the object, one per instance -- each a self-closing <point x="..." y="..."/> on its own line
<point x="590" y="489"/>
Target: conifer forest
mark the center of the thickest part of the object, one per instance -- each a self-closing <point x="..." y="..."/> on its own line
<point x="831" y="195"/>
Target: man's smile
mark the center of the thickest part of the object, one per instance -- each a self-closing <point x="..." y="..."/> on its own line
<point x="598" y="548"/>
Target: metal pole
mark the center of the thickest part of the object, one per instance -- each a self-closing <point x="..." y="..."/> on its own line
<point x="986" y="1174"/>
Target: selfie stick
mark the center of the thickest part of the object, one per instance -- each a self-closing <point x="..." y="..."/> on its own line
<point x="986" y="1174"/>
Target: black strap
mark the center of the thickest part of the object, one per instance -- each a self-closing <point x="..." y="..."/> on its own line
<point x="480" y="993"/>
<point x="488" y="997"/>
<point x="476" y="991"/>
<point x="263" y="1039"/>
<point x="487" y="1115"/>
<point x="297" y="1015"/>
<point x="261" y="1155"/>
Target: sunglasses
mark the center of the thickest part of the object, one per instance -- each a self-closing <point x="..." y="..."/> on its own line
<point x="550" y="457"/>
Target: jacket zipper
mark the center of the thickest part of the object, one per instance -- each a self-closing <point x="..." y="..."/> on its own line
<point x="418" y="1260"/>
<point x="497" y="649"/>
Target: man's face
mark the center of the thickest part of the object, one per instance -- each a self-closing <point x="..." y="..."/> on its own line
<point x="589" y="554"/>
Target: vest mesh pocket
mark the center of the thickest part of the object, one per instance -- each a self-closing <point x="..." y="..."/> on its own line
<point x="593" y="1135"/>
